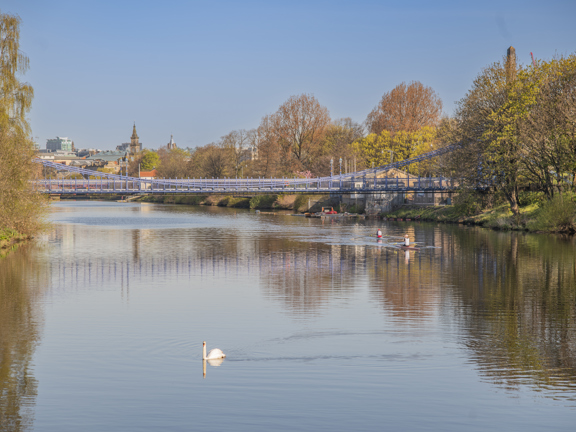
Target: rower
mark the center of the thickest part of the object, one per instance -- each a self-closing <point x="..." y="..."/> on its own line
<point x="379" y="233"/>
<point x="406" y="241"/>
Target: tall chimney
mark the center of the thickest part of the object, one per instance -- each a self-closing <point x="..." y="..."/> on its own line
<point x="510" y="65"/>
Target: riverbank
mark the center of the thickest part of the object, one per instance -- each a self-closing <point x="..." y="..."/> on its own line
<point x="299" y="203"/>
<point x="10" y="240"/>
<point x="295" y="202"/>
<point x="555" y="216"/>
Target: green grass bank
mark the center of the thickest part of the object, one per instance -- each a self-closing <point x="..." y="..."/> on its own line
<point x="557" y="215"/>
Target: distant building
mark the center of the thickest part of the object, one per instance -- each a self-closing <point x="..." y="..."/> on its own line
<point x="59" y="156"/>
<point x="60" y="143"/>
<point x="171" y="145"/>
<point x="109" y="156"/>
<point x="124" y="147"/>
<point x="87" y="152"/>
<point x="134" y="146"/>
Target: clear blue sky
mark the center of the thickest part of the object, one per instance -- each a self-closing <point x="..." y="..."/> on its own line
<point x="200" y="69"/>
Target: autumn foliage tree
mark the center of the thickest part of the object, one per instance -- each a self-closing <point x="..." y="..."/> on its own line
<point x="407" y="107"/>
<point x="212" y="161"/>
<point x="173" y="163"/>
<point x="298" y="128"/>
<point x="382" y="149"/>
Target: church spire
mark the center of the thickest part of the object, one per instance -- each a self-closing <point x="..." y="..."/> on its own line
<point x="134" y="134"/>
<point x="135" y="145"/>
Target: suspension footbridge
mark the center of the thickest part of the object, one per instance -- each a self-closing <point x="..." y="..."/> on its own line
<point x="366" y="181"/>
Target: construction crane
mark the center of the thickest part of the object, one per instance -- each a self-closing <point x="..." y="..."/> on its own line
<point x="533" y="62"/>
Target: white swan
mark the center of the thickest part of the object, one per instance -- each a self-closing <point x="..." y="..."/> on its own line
<point x="213" y="354"/>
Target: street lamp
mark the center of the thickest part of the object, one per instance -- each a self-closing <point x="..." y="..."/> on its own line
<point x="391" y="154"/>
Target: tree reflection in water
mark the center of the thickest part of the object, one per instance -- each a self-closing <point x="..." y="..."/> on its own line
<point x="518" y="295"/>
<point x="20" y="324"/>
<point x="513" y="296"/>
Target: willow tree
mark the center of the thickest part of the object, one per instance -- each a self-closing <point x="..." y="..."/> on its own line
<point x="20" y="206"/>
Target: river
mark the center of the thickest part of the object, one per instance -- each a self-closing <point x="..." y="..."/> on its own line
<point x="102" y="322"/>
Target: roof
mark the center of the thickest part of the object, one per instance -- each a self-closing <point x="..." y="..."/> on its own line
<point x="152" y="173"/>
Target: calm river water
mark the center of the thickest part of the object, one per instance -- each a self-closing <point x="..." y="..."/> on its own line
<point x="102" y="323"/>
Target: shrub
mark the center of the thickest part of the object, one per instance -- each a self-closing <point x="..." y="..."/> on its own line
<point x="224" y="201"/>
<point x="557" y="214"/>
<point x="7" y="234"/>
<point x="527" y="198"/>
<point x="263" y="201"/>
<point x="239" y="202"/>
<point x="501" y="222"/>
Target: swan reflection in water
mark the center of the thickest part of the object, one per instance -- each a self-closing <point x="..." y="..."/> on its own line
<point x="212" y="362"/>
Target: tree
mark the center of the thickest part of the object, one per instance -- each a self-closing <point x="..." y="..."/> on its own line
<point x="15" y="97"/>
<point x="548" y="131"/>
<point x="146" y="160"/>
<point x="173" y="163"/>
<point x="21" y="208"/>
<point x="150" y="160"/>
<point x="337" y="143"/>
<point x="406" y="107"/>
<point x="216" y="161"/>
<point x="237" y="143"/>
<point x="488" y="118"/>
<point x="212" y="161"/>
<point x="265" y="141"/>
<point x="299" y="126"/>
<point x="376" y="150"/>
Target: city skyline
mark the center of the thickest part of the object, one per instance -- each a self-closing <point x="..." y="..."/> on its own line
<point x="199" y="71"/>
